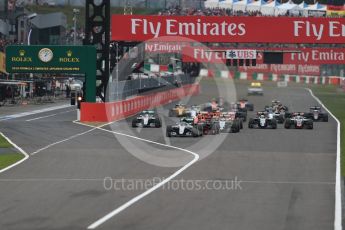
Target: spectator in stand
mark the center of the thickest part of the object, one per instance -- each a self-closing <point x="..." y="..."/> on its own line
<point x="5" y="42"/>
<point x="176" y="10"/>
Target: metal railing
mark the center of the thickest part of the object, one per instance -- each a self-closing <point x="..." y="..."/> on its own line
<point x="129" y="88"/>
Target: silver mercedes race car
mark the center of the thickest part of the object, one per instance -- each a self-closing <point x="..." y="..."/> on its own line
<point x="184" y="129"/>
<point x="147" y="118"/>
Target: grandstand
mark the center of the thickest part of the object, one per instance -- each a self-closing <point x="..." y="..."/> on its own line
<point x="274" y="8"/>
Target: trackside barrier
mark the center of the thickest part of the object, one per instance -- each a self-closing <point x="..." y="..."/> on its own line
<point x="112" y="111"/>
<point x="331" y="80"/>
<point x="342" y="83"/>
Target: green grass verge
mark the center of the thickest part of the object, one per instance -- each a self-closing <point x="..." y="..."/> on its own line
<point x="334" y="100"/>
<point x="8" y="159"/>
<point x="68" y="11"/>
<point x="4" y="143"/>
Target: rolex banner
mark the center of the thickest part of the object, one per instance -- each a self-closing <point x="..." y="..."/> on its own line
<point x="228" y="29"/>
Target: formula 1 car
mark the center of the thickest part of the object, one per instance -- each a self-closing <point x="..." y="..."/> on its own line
<point x="255" y="89"/>
<point x="223" y="104"/>
<point x="240" y="113"/>
<point x="271" y="113"/>
<point x="183" y="129"/>
<point x="228" y="123"/>
<point x="210" y="107"/>
<point x="178" y="111"/>
<point x="188" y="120"/>
<point x="278" y="106"/>
<point x="298" y="121"/>
<point x="233" y="116"/>
<point x="262" y="121"/>
<point x="245" y="104"/>
<point x="147" y="118"/>
<point x="193" y="111"/>
<point x="209" y="122"/>
<point x="316" y="114"/>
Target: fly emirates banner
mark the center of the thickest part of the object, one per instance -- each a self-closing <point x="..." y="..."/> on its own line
<point x="228" y="29"/>
<point x="310" y="56"/>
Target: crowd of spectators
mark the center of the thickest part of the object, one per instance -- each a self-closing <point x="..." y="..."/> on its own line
<point x="69" y="36"/>
<point x="3" y="43"/>
<point x="178" y="11"/>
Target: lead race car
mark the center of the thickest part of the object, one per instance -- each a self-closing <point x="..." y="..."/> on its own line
<point x="262" y="121"/>
<point x="298" y="121"/>
<point x="184" y="129"/>
<point x="147" y="118"/>
<point x="315" y="113"/>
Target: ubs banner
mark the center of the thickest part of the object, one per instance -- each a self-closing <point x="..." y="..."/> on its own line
<point x="228" y="29"/>
<point x="218" y="54"/>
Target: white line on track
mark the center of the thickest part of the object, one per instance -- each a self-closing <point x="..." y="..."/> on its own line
<point x="33" y="112"/>
<point x="337" y="210"/>
<point x="26" y="156"/>
<point x="51" y="115"/>
<point x="61" y="141"/>
<point x="149" y="191"/>
<point x="71" y="137"/>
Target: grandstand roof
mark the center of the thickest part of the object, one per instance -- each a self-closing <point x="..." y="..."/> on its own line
<point x="43" y="21"/>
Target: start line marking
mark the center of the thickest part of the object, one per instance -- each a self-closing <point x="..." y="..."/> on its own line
<point x="18" y="115"/>
<point x="51" y="115"/>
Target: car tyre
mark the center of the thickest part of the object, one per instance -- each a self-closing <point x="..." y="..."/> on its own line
<point x="287" y="124"/>
<point x="168" y="132"/>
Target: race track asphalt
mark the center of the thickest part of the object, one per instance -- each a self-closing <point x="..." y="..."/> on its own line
<point x="285" y="178"/>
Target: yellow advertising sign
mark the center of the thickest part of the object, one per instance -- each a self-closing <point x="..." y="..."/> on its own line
<point x="2" y="63"/>
<point x="335" y="13"/>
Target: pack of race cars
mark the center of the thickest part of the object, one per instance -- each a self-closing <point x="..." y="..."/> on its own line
<point x="220" y="116"/>
<point x="278" y="113"/>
